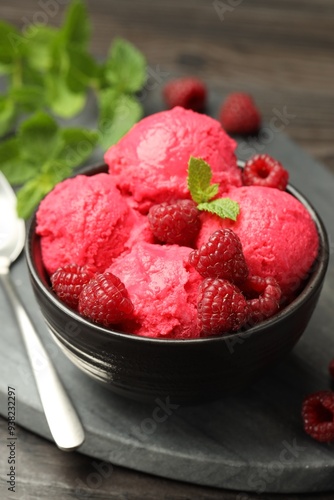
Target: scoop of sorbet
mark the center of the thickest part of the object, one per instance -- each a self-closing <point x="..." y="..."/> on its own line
<point x="163" y="288"/>
<point x="150" y="162"/>
<point x="85" y="220"/>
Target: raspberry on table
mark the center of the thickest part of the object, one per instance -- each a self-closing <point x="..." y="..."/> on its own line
<point x="105" y="300"/>
<point x="221" y="257"/>
<point x="239" y="114"/>
<point x="263" y="170"/>
<point x="175" y="223"/>
<point x="221" y="307"/>
<point x="187" y="92"/>
<point x="318" y="415"/>
<point x="263" y="296"/>
<point x="69" y="280"/>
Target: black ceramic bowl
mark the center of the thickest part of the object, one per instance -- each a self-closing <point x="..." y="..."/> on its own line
<point x="183" y="370"/>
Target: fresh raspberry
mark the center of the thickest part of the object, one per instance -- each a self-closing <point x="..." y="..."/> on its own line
<point x="187" y="92"/>
<point x="318" y="415"/>
<point x="69" y="280"/>
<point x="175" y="223"/>
<point x="221" y="257"/>
<point x="263" y="296"/>
<point x="105" y="300"/>
<point x="331" y="369"/>
<point x="263" y="170"/>
<point x="239" y="114"/>
<point x="221" y="307"/>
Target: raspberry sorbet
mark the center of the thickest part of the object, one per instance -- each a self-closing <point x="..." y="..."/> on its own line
<point x="104" y="221"/>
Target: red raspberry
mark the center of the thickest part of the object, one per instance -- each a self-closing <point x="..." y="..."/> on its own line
<point x="263" y="170"/>
<point x="318" y="415"/>
<point x="264" y="295"/>
<point x="69" y="280"/>
<point x="105" y="300"/>
<point x="188" y="92"/>
<point x="221" y="257"/>
<point x="221" y="307"/>
<point x="239" y="114"/>
<point x="331" y="369"/>
<point x="175" y="223"/>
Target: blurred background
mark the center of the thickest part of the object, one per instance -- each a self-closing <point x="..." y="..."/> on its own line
<point x="280" y="51"/>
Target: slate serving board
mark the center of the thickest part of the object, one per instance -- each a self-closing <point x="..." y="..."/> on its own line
<point x="252" y="442"/>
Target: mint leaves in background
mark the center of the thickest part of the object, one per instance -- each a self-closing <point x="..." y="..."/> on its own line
<point x="203" y="192"/>
<point x="41" y="155"/>
<point x="49" y="73"/>
<point x="122" y="75"/>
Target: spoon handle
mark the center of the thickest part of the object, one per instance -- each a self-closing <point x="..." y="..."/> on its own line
<point x="63" y="421"/>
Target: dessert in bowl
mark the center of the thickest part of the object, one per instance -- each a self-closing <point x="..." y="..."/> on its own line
<point x="164" y="345"/>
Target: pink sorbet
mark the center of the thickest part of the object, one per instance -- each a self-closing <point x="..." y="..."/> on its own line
<point x="278" y="235"/>
<point x="85" y="220"/>
<point x="163" y="289"/>
<point x="150" y="162"/>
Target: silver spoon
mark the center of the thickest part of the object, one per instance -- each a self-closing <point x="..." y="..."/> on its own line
<point x="63" y="421"/>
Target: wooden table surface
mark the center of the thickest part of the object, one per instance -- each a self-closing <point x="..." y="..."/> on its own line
<point x="279" y="51"/>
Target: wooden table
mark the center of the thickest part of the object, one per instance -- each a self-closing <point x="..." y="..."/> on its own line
<point x="281" y="52"/>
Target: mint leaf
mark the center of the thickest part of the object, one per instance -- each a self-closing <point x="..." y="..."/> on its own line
<point x="223" y="207"/>
<point x="125" y="67"/>
<point x="62" y="101"/>
<point x="28" y="98"/>
<point x="55" y="171"/>
<point x="39" y="138"/>
<point x="76" y="27"/>
<point x="9" y="43"/>
<point x="202" y="191"/>
<point x="13" y="167"/>
<point x="118" y="113"/>
<point x="82" y="69"/>
<point x="78" y="146"/>
<point x="31" y="194"/>
<point x="66" y="94"/>
<point x="39" y="48"/>
<point x="4" y="69"/>
<point x="33" y="78"/>
<point x="7" y="114"/>
<point x="199" y="180"/>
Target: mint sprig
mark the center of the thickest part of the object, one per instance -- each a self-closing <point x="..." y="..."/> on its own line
<point x="202" y="191"/>
<point x="199" y="181"/>
<point x="49" y="74"/>
<point x="52" y="69"/>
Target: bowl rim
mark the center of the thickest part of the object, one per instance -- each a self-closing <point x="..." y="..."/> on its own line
<point x="314" y="281"/>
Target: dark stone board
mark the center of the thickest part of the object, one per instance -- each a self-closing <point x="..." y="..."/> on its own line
<point x="252" y="442"/>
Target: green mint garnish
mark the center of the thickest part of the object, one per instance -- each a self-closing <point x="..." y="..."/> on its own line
<point x="223" y="207"/>
<point x="199" y="181"/>
<point x="203" y="192"/>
